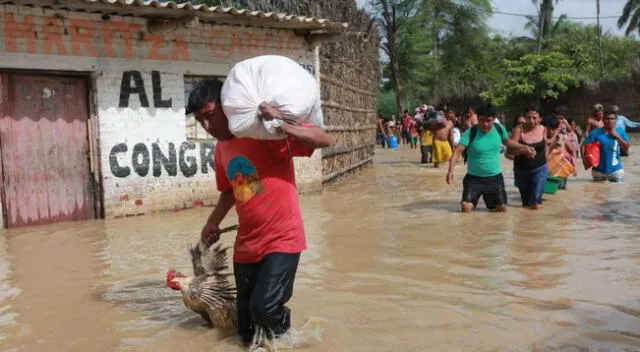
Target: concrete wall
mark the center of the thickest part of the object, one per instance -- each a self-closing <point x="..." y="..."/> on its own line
<point x="145" y="158"/>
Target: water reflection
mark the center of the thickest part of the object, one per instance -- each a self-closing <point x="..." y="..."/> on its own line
<point x="391" y="266"/>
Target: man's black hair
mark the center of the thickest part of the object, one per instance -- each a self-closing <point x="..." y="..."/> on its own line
<point x="533" y="107"/>
<point x="206" y="91"/>
<point x="610" y="112"/>
<point x="487" y="110"/>
<point x="561" y="110"/>
<point x="432" y="114"/>
<point x="551" y="122"/>
<point x="515" y="120"/>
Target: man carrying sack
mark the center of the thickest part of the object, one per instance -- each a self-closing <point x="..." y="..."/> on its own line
<point x="258" y="177"/>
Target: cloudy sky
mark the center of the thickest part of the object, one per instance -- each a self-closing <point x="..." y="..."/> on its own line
<point x="509" y="24"/>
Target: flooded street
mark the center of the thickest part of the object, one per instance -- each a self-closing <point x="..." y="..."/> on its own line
<point x="391" y="266"/>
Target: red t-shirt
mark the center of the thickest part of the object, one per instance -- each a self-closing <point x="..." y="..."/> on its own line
<point x="262" y="177"/>
<point x="406" y="121"/>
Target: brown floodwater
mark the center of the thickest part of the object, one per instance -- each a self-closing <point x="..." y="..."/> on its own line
<point x="391" y="266"/>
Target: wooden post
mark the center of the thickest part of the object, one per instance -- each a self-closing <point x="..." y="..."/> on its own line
<point x="600" y="39"/>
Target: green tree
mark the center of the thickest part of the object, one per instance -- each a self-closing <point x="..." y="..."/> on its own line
<point x="579" y="42"/>
<point x="543" y="76"/>
<point x="630" y="17"/>
<point x="545" y="20"/>
<point x="457" y="37"/>
<point x="392" y="16"/>
<point x="552" y="29"/>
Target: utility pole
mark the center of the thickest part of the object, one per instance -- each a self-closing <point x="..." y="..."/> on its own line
<point x="600" y="40"/>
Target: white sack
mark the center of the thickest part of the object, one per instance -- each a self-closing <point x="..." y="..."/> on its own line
<point x="277" y="80"/>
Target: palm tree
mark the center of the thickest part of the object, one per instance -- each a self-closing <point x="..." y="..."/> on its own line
<point x="545" y="17"/>
<point x="556" y="27"/>
<point x="630" y="16"/>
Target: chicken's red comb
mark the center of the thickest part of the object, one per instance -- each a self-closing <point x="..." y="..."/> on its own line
<point x="172" y="274"/>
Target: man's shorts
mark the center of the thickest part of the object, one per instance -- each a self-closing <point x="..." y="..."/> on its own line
<point x="490" y="188"/>
<point x="406" y="135"/>
<point x="617" y="176"/>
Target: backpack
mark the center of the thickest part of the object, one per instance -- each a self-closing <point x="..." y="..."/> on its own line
<point x="474" y="132"/>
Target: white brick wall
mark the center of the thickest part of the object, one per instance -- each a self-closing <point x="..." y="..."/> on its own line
<point x="69" y="41"/>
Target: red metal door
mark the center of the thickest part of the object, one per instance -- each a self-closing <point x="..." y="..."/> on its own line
<point x="45" y="152"/>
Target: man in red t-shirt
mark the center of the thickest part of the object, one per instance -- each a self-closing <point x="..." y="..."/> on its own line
<point x="258" y="177"/>
<point x="406" y="127"/>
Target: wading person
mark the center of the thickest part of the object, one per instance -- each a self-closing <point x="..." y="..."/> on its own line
<point x="406" y="126"/>
<point x="561" y="151"/>
<point x="471" y="118"/>
<point x="612" y="139"/>
<point x="442" y="139"/>
<point x="484" y="176"/>
<point x="413" y="132"/>
<point x="258" y="177"/>
<point x="624" y="123"/>
<point x="595" y="121"/>
<point x="381" y="131"/>
<point x="426" y="139"/>
<point x="509" y="154"/>
<point x="530" y="171"/>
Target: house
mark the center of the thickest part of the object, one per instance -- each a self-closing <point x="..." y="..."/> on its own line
<point x="92" y="97"/>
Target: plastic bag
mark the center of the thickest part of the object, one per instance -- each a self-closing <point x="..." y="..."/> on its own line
<point x="591" y="155"/>
<point x="277" y="80"/>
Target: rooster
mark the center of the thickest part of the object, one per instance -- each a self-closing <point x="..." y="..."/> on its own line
<point x="209" y="292"/>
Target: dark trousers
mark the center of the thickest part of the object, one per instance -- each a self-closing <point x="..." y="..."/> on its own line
<point x="263" y="289"/>
<point x="406" y="136"/>
<point x="382" y="140"/>
<point x="426" y="150"/>
<point x="531" y="184"/>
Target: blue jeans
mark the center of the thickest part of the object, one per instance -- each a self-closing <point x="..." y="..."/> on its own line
<point x="531" y="184"/>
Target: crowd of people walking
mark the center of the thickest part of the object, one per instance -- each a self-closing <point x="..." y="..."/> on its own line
<point x="543" y="149"/>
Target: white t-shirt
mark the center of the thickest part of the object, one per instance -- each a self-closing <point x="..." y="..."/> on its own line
<point x="456" y="136"/>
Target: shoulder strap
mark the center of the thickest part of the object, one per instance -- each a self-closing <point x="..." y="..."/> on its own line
<point x="474" y="132"/>
<point x="472" y="136"/>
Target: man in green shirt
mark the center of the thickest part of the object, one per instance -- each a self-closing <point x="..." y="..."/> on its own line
<point x="484" y="174"/>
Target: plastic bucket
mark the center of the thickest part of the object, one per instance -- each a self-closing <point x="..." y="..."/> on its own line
<point x="393" y="142"/>
<point x="551" y="186"/>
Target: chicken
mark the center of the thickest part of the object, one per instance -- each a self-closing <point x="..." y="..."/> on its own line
<point x="209" y="292"/>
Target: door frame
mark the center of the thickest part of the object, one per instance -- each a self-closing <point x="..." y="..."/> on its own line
<point x="93" y="136"/>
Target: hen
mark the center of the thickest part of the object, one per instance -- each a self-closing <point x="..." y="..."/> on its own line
<point x="209" y="292"/>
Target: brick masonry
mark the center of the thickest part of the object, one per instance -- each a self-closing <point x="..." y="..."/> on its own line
<point x="147" y="157"/>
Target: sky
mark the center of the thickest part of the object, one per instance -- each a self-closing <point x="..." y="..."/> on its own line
<point x="514" y="25"/>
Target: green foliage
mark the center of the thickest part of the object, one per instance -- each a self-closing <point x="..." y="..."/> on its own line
<point x="630" y="17"/>
<point x="448" y="55"/>
<point x="544" y="76"/>
<point x="387" y="105"/>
